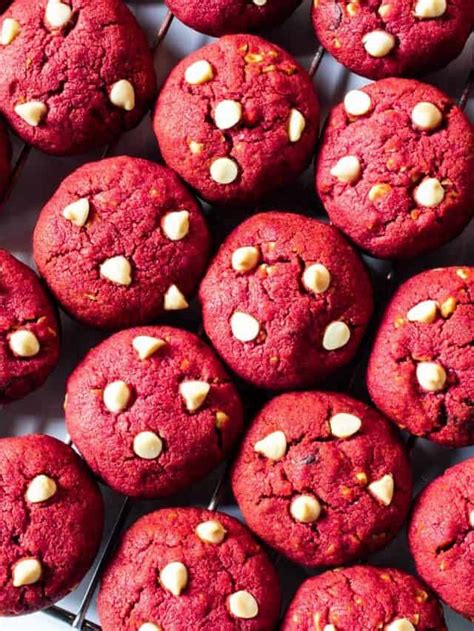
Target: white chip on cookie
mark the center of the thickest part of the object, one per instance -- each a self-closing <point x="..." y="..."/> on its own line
<point x="273" y="446"/>
<point x="146" y="345"/>
<point x="117" y="269"/>
<point x="429" y="193"/>
<point x="316" y="278"/>
<point x="122" y="94"/>
<point x="347" y="169"/>
<point x="175" y="225"/>
<point x="57" y="13"/>
<point x="199" y="72"/>
<point x="429" y="9"/>
<point x="227" y="114"/>
<point x="174" y="299"/>
<point x="357" y="103"/>
<point x="26" y="571"/>
<point x="24" y="343"/>
<point x="174" y="577"/>
<point x="244" y="327"/>
<point x="400" y="624"/>
<point x="147" y="445"/>
<point x="305" y="509"/>
<point x="40" y="489"/>
<point x="245" y="259"/>
<point x="378" y="43"/>
<point x="426" y="116"/>
<point x="32" y="112"/>
<point x="344" y="425"/>
<point x="424" y="312"/>
<point x="10" y="31"/>
<point x="194" y="393"/>
<point x="243" y="605"/>
<point x="296" y="125"/>
<point x="336" y="335"/>
<point x="211" y="531"/>
<point x="383" y="489"/>
<point x="224" y="171"/>
<point x="117" y="396"/>
<point x="77" y="212"/>
<point x="431" y="376"/>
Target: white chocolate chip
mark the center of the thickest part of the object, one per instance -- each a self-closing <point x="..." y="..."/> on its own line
<point x="32" y="112"/>
<point x="429" y="193"/>
<point x="174" y="299"/>
<point x="199" y="72"/>
<point x="40" y="489"/>
<point x="245" y="259"/>
<point x="175" y="225"/>
<point x="77" y="212"/>
<point x="378" y="43"/>
<point x="146" y="345"/>
<point x="423" y="312"/>
<point x="273" y="446"/>
<point x="149" y="626"/>
<point x="194" y="394"/>
<point x="174" y="577"/>
<point x="329" y="627"/>
<point x="426" y="116"/>
<point x="117" y="269"/>
<point x="431" y="376"/>
<point x="296" y="125"/>
<point x="383" y="489"/>
<point x="224" y="170"/>
<point x="211" y="531"/>
<point x="24" y="344"/>
<point x="316" y="278"/>
<point x="260" y="3"/>
<point x="430" y="8"/>
<point x="122" y="94"/>
<point x="147" y="445"/>
<point x="336" y="335"/>
<point x="305" y="509"/>
<point x="10" y="30"/>
<point x="357" y="103"/>
<point x="471" y="518"/>
<point x="347" y="169"/>
<point x="57" y="13"/>
<point x="401" y="624"/>
<point x="243" y="605"/>
<point x="244" y="326"/>
<point x="227" y="114"/>
<point x="344" y="425"/>
<point x="116" y="396"/>
<point x="26" y="572"/>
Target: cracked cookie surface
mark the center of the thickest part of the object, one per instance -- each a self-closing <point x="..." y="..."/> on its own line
<point x="135" y="590"/>
<point x="152" y="410"/>
<point x="337" y="488"/>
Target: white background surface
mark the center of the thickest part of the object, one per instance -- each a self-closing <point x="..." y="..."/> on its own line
<point x="42" y="411"/>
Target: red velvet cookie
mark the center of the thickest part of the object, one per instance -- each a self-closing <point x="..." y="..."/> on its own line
<point x="74" y="73"/>
<point x="322" y="478"/>
<point x="189" y="568"/>
<point x="237" y="119"/>
<point x="421" y="370"/>
<point x="286" y="300"/>
<point x="396" y="168"/>
<point x="120" y="242"/>
<point x="29" y="334"/>
<point x="50" y="525"/>
<point x="381" y="39"/>
<point x="5" y="157"/>
<point x="364" y="597"/>
<point x="441" y="536"/>
<point x="220" y="17"/>
<point x="152" y="410"/>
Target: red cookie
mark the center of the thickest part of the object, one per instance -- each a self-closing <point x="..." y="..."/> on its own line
<point x="29" y="334"/>
<point x="421" y="370"/>
<point x="220" y="17"/>
<point x="322" y="478"/>
<point x="74" y="74"/>
<point x="237" y="119"/>
<point x="51" y="522"/>
<point x="364" y="597"/>
<point x="189" y="568"/>
<point x="441" y="537"/>
<point x="5" y="157"/>
<point x="120" y="242"/>
<point x="286" y="300"/>
<point x="396" y="168"/>
<point x="152" y="410"/>
<point x="381" y="39"/>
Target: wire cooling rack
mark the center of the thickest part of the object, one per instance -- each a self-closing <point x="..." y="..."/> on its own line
<point x="387" y="278"/>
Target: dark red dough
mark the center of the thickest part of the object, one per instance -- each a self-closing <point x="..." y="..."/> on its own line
<point x="353" y="523"/>
<point x="441" y="536"/>
<point x="360" y="598"/>
<point x="193" y="443"/>
<point x="5" y="157"/>
<point x="220" y="17"/>
<point x="128" y="199"/>
<point x="445" y="416"/>
<point x="63" y="532"/>
<point x="268" y="83"/>
<point x="393" y="151"/>
<point x="72" y="70"/>
<point x="24" y="305"/>
<point x="288" y="351"/>
<point x="132" y="595"/>
<point x="421" y="45"/>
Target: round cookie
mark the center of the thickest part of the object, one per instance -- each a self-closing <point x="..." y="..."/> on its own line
<point x="29" y="333"/>
<point x="74" y="74"/>
<point x="5" y="158"/>
<point x="421" y="370"/>
<point x="237" y="119"/>
<point x="396" y="168"/>
<point x="121" y="242"/>
<point x="189" y="568"/>
<point x="322" y="478"/>
<point x="222" y="17"/>
<point x="364" y="597"/>
<point x="404" y="38"/>
<point x="286" y="300"/>
<point x="441" y="536"/>
<point x="51" y="522"/>
<point x="152" y="410"/>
